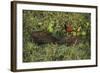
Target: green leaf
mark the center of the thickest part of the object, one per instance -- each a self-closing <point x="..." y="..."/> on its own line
<point x="83" y="33"/>
<point x="50" y="28"/>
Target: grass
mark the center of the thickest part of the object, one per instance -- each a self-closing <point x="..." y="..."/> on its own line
<point x="54" y="52"/>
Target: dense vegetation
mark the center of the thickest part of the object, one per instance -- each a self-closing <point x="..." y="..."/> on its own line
<point x="53" y="22"/>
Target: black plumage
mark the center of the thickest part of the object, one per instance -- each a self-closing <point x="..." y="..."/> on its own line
<point x="41" y="37"/>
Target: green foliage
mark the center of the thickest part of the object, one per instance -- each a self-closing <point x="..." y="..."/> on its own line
<point x="54" y="52"/>
<point x="53" y="22"/>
